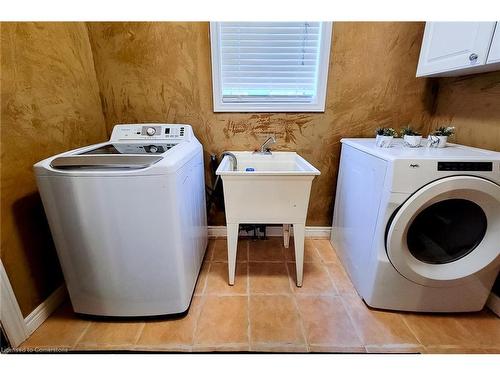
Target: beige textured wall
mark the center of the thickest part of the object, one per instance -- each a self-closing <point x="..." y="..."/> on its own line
<point x="472" y="105"/>
<point x="49" y="104"/>
<point x="161" y="72"/>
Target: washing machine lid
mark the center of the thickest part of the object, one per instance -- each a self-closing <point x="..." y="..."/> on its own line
<point x="114" y="156"/>
<point x="446" y="231"/>
<point x="104" y="162"/>
<point x="129" y="149"/>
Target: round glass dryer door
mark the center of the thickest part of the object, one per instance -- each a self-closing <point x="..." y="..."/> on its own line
<point x="446" y="231"/>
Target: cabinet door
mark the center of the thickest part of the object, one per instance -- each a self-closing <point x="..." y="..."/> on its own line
<point x="451" y="46"/>
<point x="494" y="55"/>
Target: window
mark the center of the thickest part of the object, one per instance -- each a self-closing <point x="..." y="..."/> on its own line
<point x="270" y="66"/>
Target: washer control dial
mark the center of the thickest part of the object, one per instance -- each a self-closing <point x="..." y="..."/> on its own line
<point x="150" y="131"/>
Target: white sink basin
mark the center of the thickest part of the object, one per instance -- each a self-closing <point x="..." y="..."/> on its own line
<point x="278" y="163"/>
<point x="266" y="189"/>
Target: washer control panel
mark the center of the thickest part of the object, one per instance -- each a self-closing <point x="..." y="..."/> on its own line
<point x="151" y="131"/>
<point x="174" y="132"/>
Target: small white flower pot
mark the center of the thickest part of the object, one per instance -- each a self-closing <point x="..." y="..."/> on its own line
<point x="443" y="139"/>
<point x="437" y="141"/>
<point x="412" y="140"/>
<point x="384" y="140"/>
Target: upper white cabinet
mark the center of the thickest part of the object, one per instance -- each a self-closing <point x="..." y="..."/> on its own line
<point x="457" y="48"/>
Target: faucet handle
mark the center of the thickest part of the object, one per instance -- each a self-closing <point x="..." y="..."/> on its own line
<point x="269" y="141"/>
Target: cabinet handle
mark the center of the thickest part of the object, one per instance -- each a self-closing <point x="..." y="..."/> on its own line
<point x="473" y="57"/>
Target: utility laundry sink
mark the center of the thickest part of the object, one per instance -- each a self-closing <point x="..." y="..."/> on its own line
<point x="266" y="188"/>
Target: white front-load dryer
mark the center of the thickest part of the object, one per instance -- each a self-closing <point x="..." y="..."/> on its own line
<point x="128" y="220"/>
<point x="418" y="229"/>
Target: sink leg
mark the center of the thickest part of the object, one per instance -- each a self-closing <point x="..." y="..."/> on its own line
<point x="286" y="235"/>
<point x="232" y="245"/>
<point x="298" y="239"/>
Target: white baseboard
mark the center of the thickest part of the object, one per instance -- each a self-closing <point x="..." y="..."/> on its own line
<point x="493" y="303"/>
<point x="272" y="231"/>
<point x="11" y="316"/>
<point x="318" y="232"/>
<point x="43" y="311"/>
<point x="18" y="328"/>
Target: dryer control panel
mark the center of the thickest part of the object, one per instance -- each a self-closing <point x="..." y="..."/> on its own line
<point x="171" y="132"/>
<point x="465" y="166"/>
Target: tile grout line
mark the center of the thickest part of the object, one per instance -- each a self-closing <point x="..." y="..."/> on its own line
<point x="248" y="298"/>
<point x="139" y="334"/>
<point x="195" y="325"/>
<point x="227" y="345"/>
<point x="277" y="347"/>
<point x="412" y="331"/>
<point x="336" y="261"/>
<point x="178" y="348"/>
<point x="332" y="280"/>
<point x="205" y="282"/>
<point x="265" y="261"/>
<point x="248" y="251"/>
<point x="311" y="294"/>
<point x="206" y="262"/>
<point x="290" y="279"/>
<point x="212" y="251"/>
<point x="317" y="251"/>
<point x="325" y="263"/>
<point x="355" y="326"/>
<point x="301" y="323"/>
<point x="284" y="260"/>
<point x="81" y="335"/>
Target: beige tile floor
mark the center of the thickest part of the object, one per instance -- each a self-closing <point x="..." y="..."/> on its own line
<point x="265" y="311"/>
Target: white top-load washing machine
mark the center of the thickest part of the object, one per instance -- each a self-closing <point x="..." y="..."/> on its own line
<point x="128" y="219"/>
<point x="418" y="229"/>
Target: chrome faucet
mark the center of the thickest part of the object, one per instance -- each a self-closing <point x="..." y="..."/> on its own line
<point x="264" y="149"/>
<point x="233" y="159"/>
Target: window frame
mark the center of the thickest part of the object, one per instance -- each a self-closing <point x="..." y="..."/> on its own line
<point x="318" y="105"/>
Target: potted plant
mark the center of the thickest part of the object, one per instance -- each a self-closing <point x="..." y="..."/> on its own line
<point x="439" y="137"/>
<point x="384" y="136"/>
<point x="411" y="137"/>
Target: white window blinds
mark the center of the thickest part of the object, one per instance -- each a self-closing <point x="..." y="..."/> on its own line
<point x="270" y="66"/>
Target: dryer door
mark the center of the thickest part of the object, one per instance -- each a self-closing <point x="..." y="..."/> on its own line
<point x="446" y="231"/>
